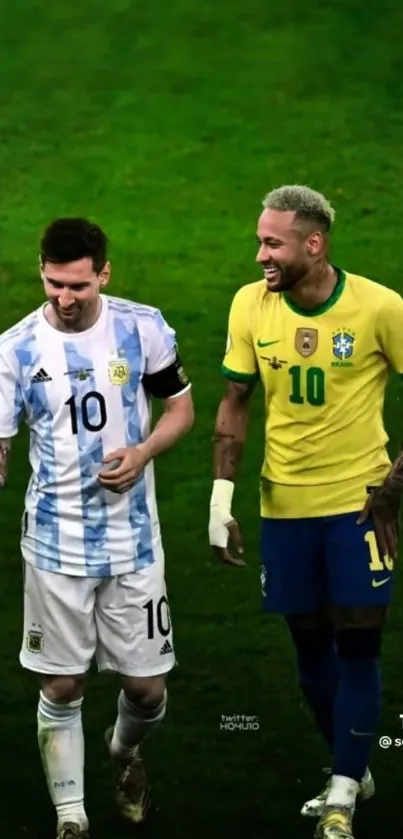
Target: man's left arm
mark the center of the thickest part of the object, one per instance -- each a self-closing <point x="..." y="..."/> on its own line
<point x="176" y="420"/>
<point x="164" y="379"/>
<point x="387" y="498"/>
<point x="384" y="501"/>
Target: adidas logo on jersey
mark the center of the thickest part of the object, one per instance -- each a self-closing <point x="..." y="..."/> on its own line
<point x="166" y="648"/>
<point x="41" y="376"/>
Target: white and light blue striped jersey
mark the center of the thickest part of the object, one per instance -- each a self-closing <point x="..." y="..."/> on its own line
<point x="82" y="397"/>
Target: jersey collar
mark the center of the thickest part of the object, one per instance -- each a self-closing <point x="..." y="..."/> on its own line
<point x="76" y="336"/>
<point x="323" y="307"/>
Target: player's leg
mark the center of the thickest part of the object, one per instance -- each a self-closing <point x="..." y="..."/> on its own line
<point x="318" y="666"/>
<point x="59" y="642"/>
<point x="135" y="640"/>
<point x="355" y="570"/>
<point x="328" y="676"/>
<point x="141" y="708"/>
<point x="61" y="745"/>
<point x="293" y="584"/>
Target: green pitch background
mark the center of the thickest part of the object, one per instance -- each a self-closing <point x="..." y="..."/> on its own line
<point x="167" y="123"/>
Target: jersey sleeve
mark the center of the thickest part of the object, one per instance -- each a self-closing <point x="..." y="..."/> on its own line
<point x="164" y="376"/>
<point x="390" y="330"/>
<point x="11" y="401"/>
<point x="240" y="362"/>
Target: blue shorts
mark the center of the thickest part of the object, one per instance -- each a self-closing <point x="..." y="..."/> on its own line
<point x="309" y="564"/>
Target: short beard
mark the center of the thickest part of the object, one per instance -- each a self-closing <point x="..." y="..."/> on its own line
<point x="290" y="276"/>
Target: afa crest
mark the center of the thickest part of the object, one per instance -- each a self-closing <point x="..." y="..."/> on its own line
<point x="35" y="641"/>
<point x="343" y="345"/>
<point x="119" y="372"/>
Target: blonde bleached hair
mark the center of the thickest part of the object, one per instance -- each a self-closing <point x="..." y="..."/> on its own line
<point x="308" y="205"/>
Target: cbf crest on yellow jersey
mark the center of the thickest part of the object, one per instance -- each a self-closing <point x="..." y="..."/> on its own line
<point x="324" y="373"/>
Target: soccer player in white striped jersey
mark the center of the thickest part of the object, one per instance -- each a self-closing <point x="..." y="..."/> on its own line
<point x="81" y="371"/>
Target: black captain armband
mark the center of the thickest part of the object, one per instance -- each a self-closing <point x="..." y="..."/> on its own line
<point x="167" y="382"/>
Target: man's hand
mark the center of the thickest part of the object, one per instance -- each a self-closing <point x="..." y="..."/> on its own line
<point x="384" y="513"/>
<point x="222" y="526"/>
<point x="131" y="463"/>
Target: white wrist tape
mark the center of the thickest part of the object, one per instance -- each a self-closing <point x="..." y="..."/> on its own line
<point x="220" y="512"/>
<point x="221" y="497"/>
<point x="222" y="494"/>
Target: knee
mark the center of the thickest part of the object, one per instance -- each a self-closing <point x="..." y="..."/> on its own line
<point x="315" y="654"/>
<point x="319" y="623"/>
<point x="359" y="617"/>
<point x="63" y="689"/>
<point x="148" y="692"/>
<point x="354" y="644"/>
<point x="312" y="641"/>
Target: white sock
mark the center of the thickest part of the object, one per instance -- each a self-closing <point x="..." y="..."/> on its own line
<point x="133" y="724"/>
<point x="61" y="744"/>
<point x="343" y="792"/>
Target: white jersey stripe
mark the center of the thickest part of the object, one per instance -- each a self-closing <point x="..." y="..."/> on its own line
<point x="66" y="470"/>
<point x="133" y="402"/>
<point x="88" y="415"/>
<point x="43" y="516"/>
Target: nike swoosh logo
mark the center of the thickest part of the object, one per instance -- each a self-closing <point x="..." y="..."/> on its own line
<point x="377" y="583"/>
<point x="361" y="733"/>
<point x="267" y="343"/>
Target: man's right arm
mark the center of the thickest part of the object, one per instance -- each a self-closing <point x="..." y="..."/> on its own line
<point x="5" y="446"/>
<point x="229" y="440"/>
<point x="241" y="372"/>
<point x="11" y="412"/>
<point x="231" y="429"/>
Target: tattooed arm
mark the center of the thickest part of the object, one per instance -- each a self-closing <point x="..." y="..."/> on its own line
<point x="388" y="497"/>
<point x="383" y="503"/>
<point x="229" y="440"/>
<point x="5" y="446"/>
<point x="230" y="429"/>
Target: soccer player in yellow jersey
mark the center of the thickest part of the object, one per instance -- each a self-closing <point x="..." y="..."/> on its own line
<point x="321" y="340"/>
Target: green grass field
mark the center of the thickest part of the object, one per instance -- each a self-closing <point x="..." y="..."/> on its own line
<point x="167" y="123"/>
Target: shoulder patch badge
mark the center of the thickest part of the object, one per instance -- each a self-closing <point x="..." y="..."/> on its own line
<point x="182" y="375"/>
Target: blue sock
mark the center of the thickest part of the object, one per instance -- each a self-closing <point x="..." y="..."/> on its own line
<point x="356" y="712"/>
<point x="318" y="672"/>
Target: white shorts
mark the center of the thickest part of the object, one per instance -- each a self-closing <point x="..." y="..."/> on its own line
<point x="123" y="621"/>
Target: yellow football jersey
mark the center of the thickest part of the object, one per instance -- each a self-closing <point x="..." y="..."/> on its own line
<point x="324" y="373"/>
